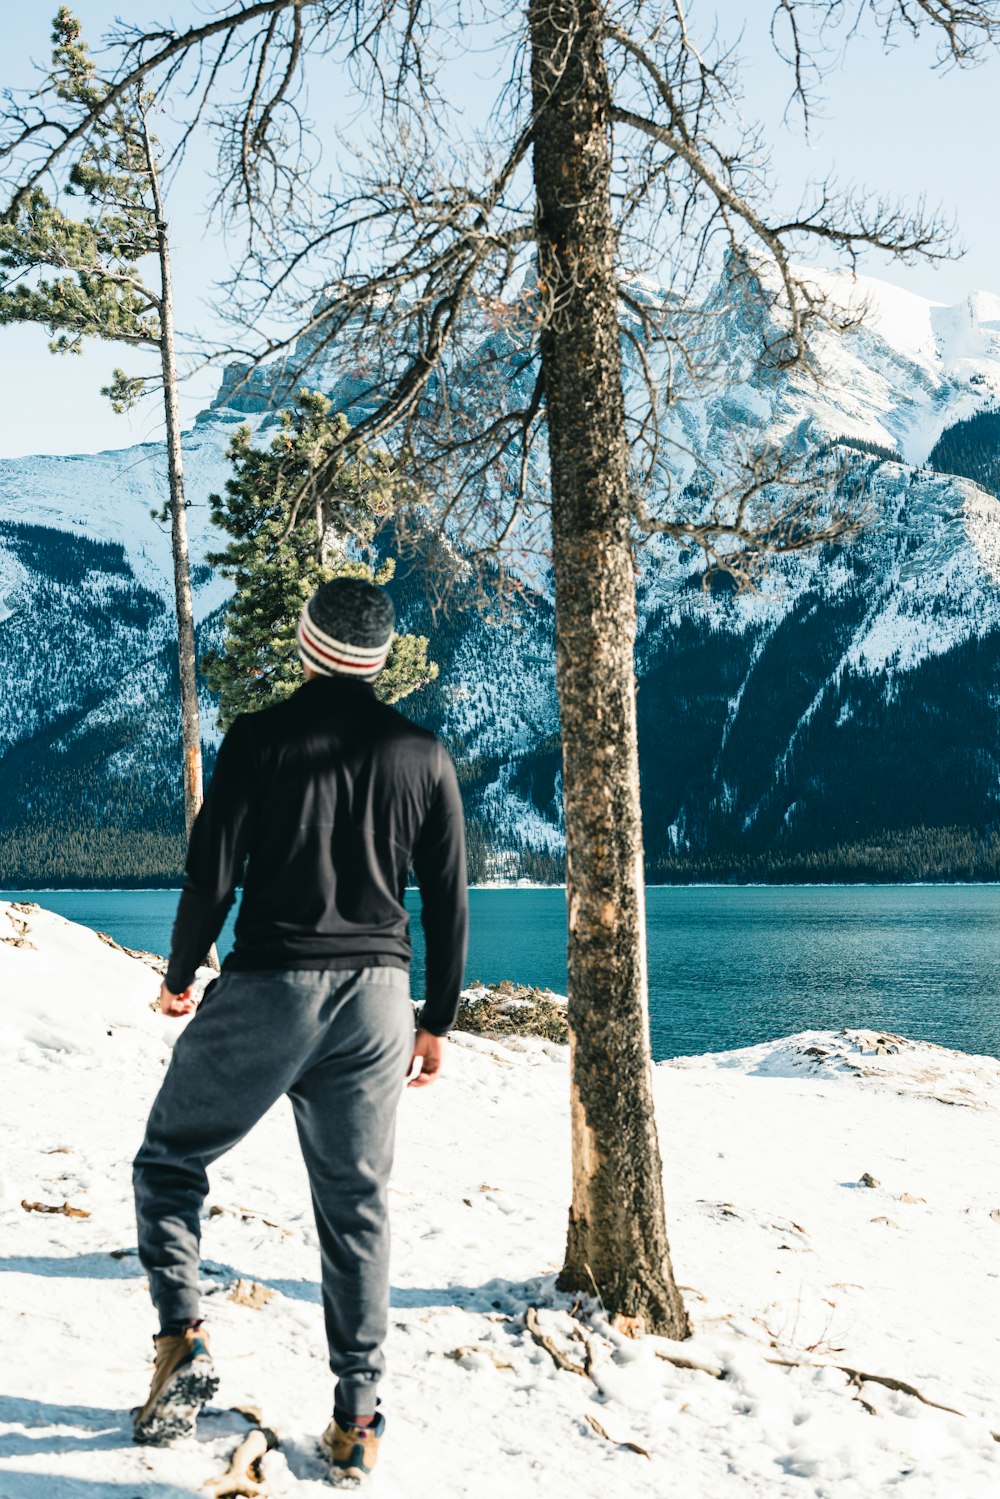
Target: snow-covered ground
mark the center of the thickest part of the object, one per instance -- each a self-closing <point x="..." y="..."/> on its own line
<point x="782" y="1252"/>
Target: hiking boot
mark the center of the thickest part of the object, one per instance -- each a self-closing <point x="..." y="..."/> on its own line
<point x="183" y="1381"/>
<point x="352" y="1450"/>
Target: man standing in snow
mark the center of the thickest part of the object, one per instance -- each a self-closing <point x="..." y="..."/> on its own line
<point x="327" y="799"/>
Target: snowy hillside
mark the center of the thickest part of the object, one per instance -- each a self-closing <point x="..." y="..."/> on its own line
<point x="108" y="497"/>
<point x="848" y="704"/>
<point x="794" y="1270"/>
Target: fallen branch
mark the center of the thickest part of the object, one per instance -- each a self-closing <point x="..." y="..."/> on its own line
<point x="856" y="1377"/>
<point x="588" y="1350"/>
<point x="595" y="1425"/>
<point x="65" y="1208"/>
<point x="556" y="1354"/>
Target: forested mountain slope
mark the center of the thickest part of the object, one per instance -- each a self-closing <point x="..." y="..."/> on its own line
<point x="841" y="723"/>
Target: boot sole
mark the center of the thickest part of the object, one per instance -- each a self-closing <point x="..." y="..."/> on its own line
<point x="178" y="1407"/>
<point x="345" y="1478"/>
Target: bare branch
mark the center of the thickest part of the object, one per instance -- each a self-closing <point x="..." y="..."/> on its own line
<point x="173" y="47"/>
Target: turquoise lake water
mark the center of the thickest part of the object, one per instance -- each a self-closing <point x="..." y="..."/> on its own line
<point x="727" y="966"/>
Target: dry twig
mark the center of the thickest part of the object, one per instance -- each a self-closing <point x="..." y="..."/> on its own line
<point x="595" y="1425"/>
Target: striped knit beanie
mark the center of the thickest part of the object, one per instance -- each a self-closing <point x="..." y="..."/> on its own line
<point x="346" y="629"/>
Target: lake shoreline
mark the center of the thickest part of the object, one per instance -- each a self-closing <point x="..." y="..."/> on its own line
<point x="15" y="892"/>
<point x="728" y="966"/>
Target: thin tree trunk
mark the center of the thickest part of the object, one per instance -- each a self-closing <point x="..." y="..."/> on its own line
<point x="617" y="1239"/>
<point x="194" y="783"/>
<point x="190" y="727"/>
<point x="320" y="534"/>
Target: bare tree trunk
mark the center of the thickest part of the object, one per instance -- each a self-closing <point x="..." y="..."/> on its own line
<point x="321" y="548"/>
<point x="190" y="727"/>
<point x="617" y="1239"/>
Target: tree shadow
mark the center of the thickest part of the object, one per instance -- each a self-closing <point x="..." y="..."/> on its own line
<point x="103" y="1428"/>
<point x="126" y="1266"/>
<point x="77" y="1266"/>
<point x="492" y="1295"/>
<point x="20" y="1485"/>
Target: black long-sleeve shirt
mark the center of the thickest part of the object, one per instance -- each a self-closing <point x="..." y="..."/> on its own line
<point x="328" y="799"/>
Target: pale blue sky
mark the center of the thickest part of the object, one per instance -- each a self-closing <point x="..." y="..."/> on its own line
<point x="892" y="123"/>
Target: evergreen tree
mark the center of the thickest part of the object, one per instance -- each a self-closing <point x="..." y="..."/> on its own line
<point x="98" y="290"/>
<point x="276" y="569"/>
<point x="971" y="448"/>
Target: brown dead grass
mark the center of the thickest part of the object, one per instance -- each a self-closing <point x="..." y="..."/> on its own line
<point x="508" y="1009"/>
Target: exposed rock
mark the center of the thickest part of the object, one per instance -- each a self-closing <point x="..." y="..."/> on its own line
<point x="21" y="928"/>
<point x="151" y="959"/>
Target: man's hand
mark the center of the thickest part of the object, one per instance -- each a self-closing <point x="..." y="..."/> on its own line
<point x="429" y="1051"/>
<point x="176" y="1005"/>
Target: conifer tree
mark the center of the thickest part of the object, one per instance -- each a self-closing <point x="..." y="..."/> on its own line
<point x="276" y="569"/>
<point x="82" y="277"/>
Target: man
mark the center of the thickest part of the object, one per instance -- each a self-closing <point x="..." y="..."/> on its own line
<point x="328" y="799"/>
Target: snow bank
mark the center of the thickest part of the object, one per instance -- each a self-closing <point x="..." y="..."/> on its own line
<point x="782" y="1252"/>
<point x="876" y="1057"/>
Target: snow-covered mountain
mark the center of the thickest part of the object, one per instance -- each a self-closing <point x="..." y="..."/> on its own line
<point x="909" y="370"/>
<point x="849" y="702"/>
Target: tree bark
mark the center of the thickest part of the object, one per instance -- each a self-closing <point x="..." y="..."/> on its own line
<point x="186" y="659"/>
<point x="617" y="1239"/>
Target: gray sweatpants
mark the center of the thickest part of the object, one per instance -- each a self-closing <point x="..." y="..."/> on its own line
<point x="338" y="1043"/>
